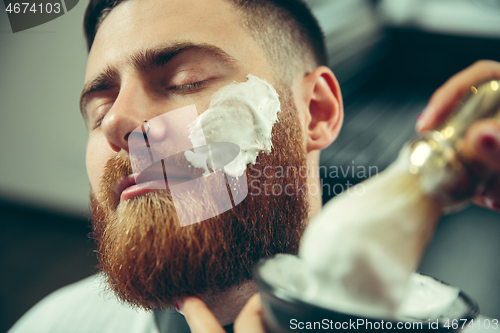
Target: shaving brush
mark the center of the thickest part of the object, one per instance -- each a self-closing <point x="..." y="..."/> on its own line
<point x="371" y="243"/>
<point x="443" y="172"/>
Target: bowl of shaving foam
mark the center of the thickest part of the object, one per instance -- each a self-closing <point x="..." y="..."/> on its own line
<point x="293" y="301"/>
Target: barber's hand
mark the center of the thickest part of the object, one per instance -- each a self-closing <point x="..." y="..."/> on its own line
<point x="482" y="140"/>
<point x="201" y="320"/>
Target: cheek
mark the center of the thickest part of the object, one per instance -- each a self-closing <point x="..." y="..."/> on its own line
<point x="98" y="154"/>
<point x="304" y="116"/>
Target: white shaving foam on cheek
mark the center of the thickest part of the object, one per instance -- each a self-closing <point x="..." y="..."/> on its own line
<point x="240" y="113"/>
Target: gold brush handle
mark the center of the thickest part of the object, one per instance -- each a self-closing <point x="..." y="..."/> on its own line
<point x="443" y="173"/>
<point x="482" y="102"/>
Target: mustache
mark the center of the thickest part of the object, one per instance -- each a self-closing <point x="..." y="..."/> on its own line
<point x="121" y="166"/>
<point x="115" y="169"/>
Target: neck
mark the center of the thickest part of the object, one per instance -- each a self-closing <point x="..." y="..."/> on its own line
<point x="227" y="305"/>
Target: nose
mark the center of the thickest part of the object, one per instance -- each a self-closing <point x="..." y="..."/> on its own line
<point x="129" y="111"/>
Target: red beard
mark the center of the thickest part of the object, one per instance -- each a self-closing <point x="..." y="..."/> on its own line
<point x="150" y="260"/>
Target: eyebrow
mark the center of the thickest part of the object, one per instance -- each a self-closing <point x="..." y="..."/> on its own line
<point x="146" y="61"/>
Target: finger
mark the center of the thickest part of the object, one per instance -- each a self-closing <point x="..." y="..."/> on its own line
<point x="488" y="203"/>
<point x="447" y="97"/>
<point x="250" y="318"/>
<point x="491" y="197"/>
<point x="199" y="318"/>
<point x="482" y="144"/>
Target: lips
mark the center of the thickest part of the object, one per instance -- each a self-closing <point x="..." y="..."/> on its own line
<point x="153" y="178"/>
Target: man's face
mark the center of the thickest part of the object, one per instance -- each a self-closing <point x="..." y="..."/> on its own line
<point x="148" y="58"/>
<point x="134" y="27"/>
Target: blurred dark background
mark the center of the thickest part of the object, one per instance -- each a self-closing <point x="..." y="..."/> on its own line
<point x="389" y="56"/>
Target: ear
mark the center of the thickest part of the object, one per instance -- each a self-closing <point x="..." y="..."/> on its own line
<point x="326" y="111"/>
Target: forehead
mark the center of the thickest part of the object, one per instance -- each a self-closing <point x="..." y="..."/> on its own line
<point x="137" y="25"/>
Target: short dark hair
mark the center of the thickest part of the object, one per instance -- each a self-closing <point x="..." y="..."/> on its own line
<point x="286" y="30"/>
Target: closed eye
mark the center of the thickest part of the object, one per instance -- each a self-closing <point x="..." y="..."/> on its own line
<point x="187" y="88"/>
<point x="103" y="110"/>
<point x="98" y="122"/>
